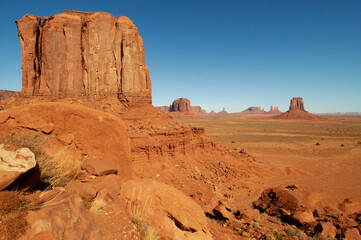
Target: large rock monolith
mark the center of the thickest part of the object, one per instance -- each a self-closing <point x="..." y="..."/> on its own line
<point x="297" y="103"/>
<point x="83" y="54"/>
<point x="297" y="111"/>
<point x="180" y="105"/>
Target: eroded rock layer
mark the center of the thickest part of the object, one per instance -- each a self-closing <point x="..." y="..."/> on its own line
<point x="83" y="54"/>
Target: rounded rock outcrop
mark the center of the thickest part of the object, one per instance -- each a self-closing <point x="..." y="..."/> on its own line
<point x="74" y="133"/>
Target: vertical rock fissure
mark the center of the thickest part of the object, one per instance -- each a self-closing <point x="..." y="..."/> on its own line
<point x="83" y="63"/>
<point x="37" y="59"/>
<point x="108" y="60"/>
<point x="121" y="73"/>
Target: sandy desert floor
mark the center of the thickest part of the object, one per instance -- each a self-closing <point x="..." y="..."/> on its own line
<point x="322" y="157"/>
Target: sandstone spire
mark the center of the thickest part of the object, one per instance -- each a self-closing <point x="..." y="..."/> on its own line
<point x="83" y="54"/>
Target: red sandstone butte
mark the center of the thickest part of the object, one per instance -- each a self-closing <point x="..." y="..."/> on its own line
<point x="297" y="103"/>
<point x="180" y="105"/>
<point x="83" y="54"/>
<point x="297" y="111"/>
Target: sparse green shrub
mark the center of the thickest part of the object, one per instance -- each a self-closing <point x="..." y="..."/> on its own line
<point x="342" y="145"/>
<point x="317" y="144"/>
<point x="233" y="141"/>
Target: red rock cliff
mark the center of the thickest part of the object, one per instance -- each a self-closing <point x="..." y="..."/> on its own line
<point x="83" y="54"/>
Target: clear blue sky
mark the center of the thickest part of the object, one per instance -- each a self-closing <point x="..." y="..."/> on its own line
<point x="228" y="53"/>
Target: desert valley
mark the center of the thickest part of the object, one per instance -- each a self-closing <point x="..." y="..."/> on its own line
<point x="85" y="155"/>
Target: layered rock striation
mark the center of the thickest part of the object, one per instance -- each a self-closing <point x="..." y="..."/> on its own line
<point x="83" y="54"/>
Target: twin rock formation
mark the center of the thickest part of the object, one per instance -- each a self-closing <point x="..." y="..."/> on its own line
<point x="83" y="54"/>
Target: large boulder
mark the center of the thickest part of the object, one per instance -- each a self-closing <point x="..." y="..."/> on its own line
<point x="99" y="167"/>
<point x="83" y="53"/>
<point x="352" y="234"/>
<point x="74" y="132"/>
<point x="18" y="168"/>
<point x="325" y="230"/>
<point x="174" y="214"/>
<point x="277" y="202"/>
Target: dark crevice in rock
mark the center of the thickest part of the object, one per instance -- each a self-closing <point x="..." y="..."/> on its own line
<point x="180" y="225"/>
<point x="37" y="130"/>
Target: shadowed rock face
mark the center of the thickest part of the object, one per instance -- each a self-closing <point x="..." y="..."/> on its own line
<point x="180" y="105"/>
<point x="297" y="103"/>
<point x="83" y="54"/>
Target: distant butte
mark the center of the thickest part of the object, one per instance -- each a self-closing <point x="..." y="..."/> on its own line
<point x="182" y="105"/>
<point x="297" y="111"/>
<point x="253" y="110"/>
<point x="74" y="54"/>
<point x="5" y="94"/>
